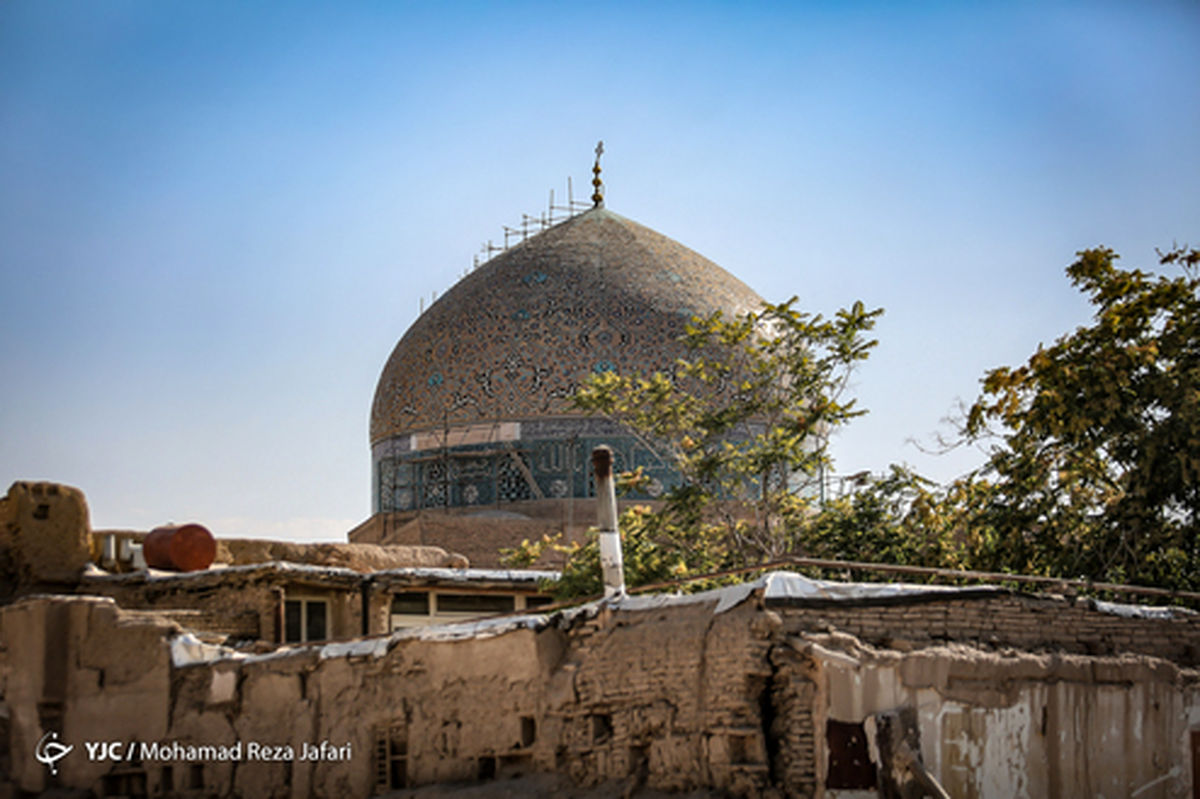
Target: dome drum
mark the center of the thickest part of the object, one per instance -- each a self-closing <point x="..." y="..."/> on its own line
<point x="549" y="460"/>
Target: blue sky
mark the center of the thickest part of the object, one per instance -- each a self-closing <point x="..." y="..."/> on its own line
<point x="217" y="219"/>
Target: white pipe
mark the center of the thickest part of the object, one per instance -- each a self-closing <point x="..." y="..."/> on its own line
<point x="611" y="565"/>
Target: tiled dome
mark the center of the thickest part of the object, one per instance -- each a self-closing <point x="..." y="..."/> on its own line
<point x="513" y="339"/>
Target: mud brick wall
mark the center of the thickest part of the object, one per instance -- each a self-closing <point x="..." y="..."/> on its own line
<point x="670" y="698"/>
<point x="1000" y="619"/>
<point x="426" y="711"/>
<point x="241" y="608"/>
<point x="792" y="727"/>
<point x="223" y="625"/>
<point x="480" y="541"/>
<point x="81" y="666"/>
<point x="674" y="698"/>
<point x="244" y="605"/>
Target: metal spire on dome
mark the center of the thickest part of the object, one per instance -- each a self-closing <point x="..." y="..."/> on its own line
<point x="532" y="225"/>
<point x="597" y="196"/>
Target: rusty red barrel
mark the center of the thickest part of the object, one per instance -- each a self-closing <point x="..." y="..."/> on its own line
<point x="179" y="547"/>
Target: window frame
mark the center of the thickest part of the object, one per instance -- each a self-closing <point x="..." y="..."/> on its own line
<point x="305" y="601"/>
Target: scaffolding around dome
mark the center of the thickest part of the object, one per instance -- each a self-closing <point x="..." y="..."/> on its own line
<point x="532" y="225"/>
<point x="477" y="466"/>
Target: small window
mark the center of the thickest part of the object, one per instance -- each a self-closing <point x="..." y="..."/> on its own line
<point x="293" y="611"/>
<point x="528" y="731"/>
<point x="602" y="728"/>
<point x="411" y="603"/>
<point x="315" y="626"/>
<point x="480" y="604"/>
<point x="305" y="620"/>
<point x="538" y="601"/>
<point x="391" y="758"/>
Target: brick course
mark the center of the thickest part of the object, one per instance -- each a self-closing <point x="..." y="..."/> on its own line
<point x="998" y="619"/>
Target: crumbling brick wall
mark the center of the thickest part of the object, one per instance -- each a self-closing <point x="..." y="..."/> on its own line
<point x="999" y="619"/>
<point x="993" y="723"/>
<point x="236" y="604"/>
<point x="81" y="667"/>
<point x="670" y="699"/>
<point x="792" y="727"/>
<point x="671" y="696"/>
<point x="240" y="608"/>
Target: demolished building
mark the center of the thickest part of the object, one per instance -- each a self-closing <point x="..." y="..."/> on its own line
<point x="776" y="688"/>
<point x="782" y="687"/>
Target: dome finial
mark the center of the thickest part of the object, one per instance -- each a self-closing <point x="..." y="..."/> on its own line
<point x="597" y="196"/>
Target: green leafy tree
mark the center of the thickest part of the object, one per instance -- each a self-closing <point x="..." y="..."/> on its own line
<point x="745" y="418"/>
<point x="649" y="552"/>
<point x="1095" y="457"/>
<point x="892" y="518"/>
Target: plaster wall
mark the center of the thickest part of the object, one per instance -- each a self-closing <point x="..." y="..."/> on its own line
<point x="1015" y="725"/>
<point x="81" y="667"/>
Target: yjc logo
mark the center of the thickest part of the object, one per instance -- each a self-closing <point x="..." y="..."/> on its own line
<point x="50" y="751"/>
